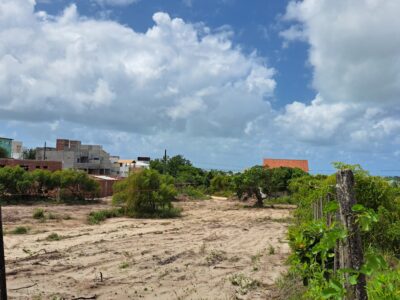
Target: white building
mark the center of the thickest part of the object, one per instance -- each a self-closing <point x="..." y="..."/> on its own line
<point x="17" y="151"/>
<point x="126" y="166"/>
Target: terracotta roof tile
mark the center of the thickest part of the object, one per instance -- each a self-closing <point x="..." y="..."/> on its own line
<point x="289" y="163"/>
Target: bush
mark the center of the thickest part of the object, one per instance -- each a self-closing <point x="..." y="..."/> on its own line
<point x="20" y="230"/>
<point x="53" y="237"/>
<point x="16" y="183"/>
<point x="313" y="242"/>
<point x="96" y="217"/>
<point x="38" y="214"/>
<point x="147" y="193"/>
<point x="384" y="285"/>
<point x="194" y="193"/>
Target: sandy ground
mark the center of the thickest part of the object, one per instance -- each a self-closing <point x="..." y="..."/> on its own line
<point x="197" y="256"/>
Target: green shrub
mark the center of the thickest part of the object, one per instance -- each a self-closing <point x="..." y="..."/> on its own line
<point x="194" y="193"/>
<point x="18" y="184"/>
<point x="53" y="237"/>
<point x="20" y="230"/>
<point x="124" y="265"/>
<point x="38" y="214"/>
<point x="384" y="285"/>
<point x="162" y="213"/>
<point x="96" y="217"/>
<point x="147" y="193"/>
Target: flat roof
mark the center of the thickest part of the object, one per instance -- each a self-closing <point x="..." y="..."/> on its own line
<point x="104" y="177"/>
<point x="4" y="138"/>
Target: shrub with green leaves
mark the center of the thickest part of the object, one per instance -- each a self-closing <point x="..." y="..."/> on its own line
<point x="96" y="217"/>
<point x="147" y="193"/>
<point x="194" y="193"/>
<point x="20" y="230"/>
<point x="16" y="183"/>
<point x="53" y="237"/>
<point x="312" y="241"/>
<point x="38" y="214"/>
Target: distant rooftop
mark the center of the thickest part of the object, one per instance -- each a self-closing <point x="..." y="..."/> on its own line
<point x="288" y="163"/>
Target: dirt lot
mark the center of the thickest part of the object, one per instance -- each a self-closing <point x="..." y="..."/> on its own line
<point x="199" y="256"/>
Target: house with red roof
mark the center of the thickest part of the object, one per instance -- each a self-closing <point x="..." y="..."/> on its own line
<point x="288" y="163"/>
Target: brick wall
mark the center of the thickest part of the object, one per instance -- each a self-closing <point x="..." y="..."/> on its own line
<point x="31" y="165"/>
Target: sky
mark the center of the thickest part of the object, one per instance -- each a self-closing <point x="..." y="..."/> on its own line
<point x="225" y="83"/>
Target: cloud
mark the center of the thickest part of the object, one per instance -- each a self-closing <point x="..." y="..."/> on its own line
<point x="355" y="58"/>
<point x="115" y="2"/>
<point x="354" y="48"/>
<point x="175" y="77"/>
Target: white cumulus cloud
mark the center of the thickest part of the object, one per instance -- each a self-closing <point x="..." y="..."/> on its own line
<point x="355" y="57"/>
<point x="176" y="76"/>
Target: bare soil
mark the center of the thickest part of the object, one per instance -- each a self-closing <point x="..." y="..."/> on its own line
<point x="214" y="244"/>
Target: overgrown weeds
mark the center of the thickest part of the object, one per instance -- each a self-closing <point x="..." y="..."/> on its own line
<point x="162" y="213"/>
<point x="38" y="214"/>
<point x="244" y="284"/>
<point x="96" y="217"/>
<point x="53" y="237"/>
<point x="20" y="230"/>
<point x="215" y="257"/>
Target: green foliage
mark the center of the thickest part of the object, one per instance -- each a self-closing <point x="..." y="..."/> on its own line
<point x="38" y="214"/>
<point x="281" y="177"/>
<point x="146" y="193"/>
<point x="194" y="193"/>
<point x="96" y="217"/>
<point x="313" y="242"/>
<point x="15" y="182"/>
<point x="75" y="185"/>
<point x="124" y="265"/>
<point x="222" y="183"/>
<point x="3" y="153"/>
<point x="20" y="230"/>
<point x="271" y="182"/>
<point x="29" y="154"/>
<point x="384" y="284"/>
<point x="53" y="237"/>
<point x="251" y="183"/>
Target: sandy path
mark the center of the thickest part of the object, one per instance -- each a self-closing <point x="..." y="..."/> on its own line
<point x="192" y="257"/>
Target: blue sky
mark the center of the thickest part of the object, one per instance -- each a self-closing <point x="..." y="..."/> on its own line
<point x="223" y="82"/>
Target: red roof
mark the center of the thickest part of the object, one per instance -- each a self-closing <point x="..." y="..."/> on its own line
<point x="288" y="163"/>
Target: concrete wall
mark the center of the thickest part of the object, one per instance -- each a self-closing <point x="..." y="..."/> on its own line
<point x="73" y="155"/>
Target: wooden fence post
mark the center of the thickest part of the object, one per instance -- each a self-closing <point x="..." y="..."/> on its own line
<point x="350" y="249"/>
<point x="3" y="285"/>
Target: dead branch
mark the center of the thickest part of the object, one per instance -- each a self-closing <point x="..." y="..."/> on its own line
<point x="24" y="287"/>
<point x="85" y="298"/>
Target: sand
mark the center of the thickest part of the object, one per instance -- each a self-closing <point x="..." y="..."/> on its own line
<point x="216" y="244"/>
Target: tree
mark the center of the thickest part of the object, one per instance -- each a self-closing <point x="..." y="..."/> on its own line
<point x="253" y="182"/>
<point x="29" y="154"/>
<point x="146" y="192"/>
<point x="280" y="177"/>
<point x="221" y="183"/>
<point x="172" y="165"/>
<point x="3" y="153"/>
<point x="75" y="185"/>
